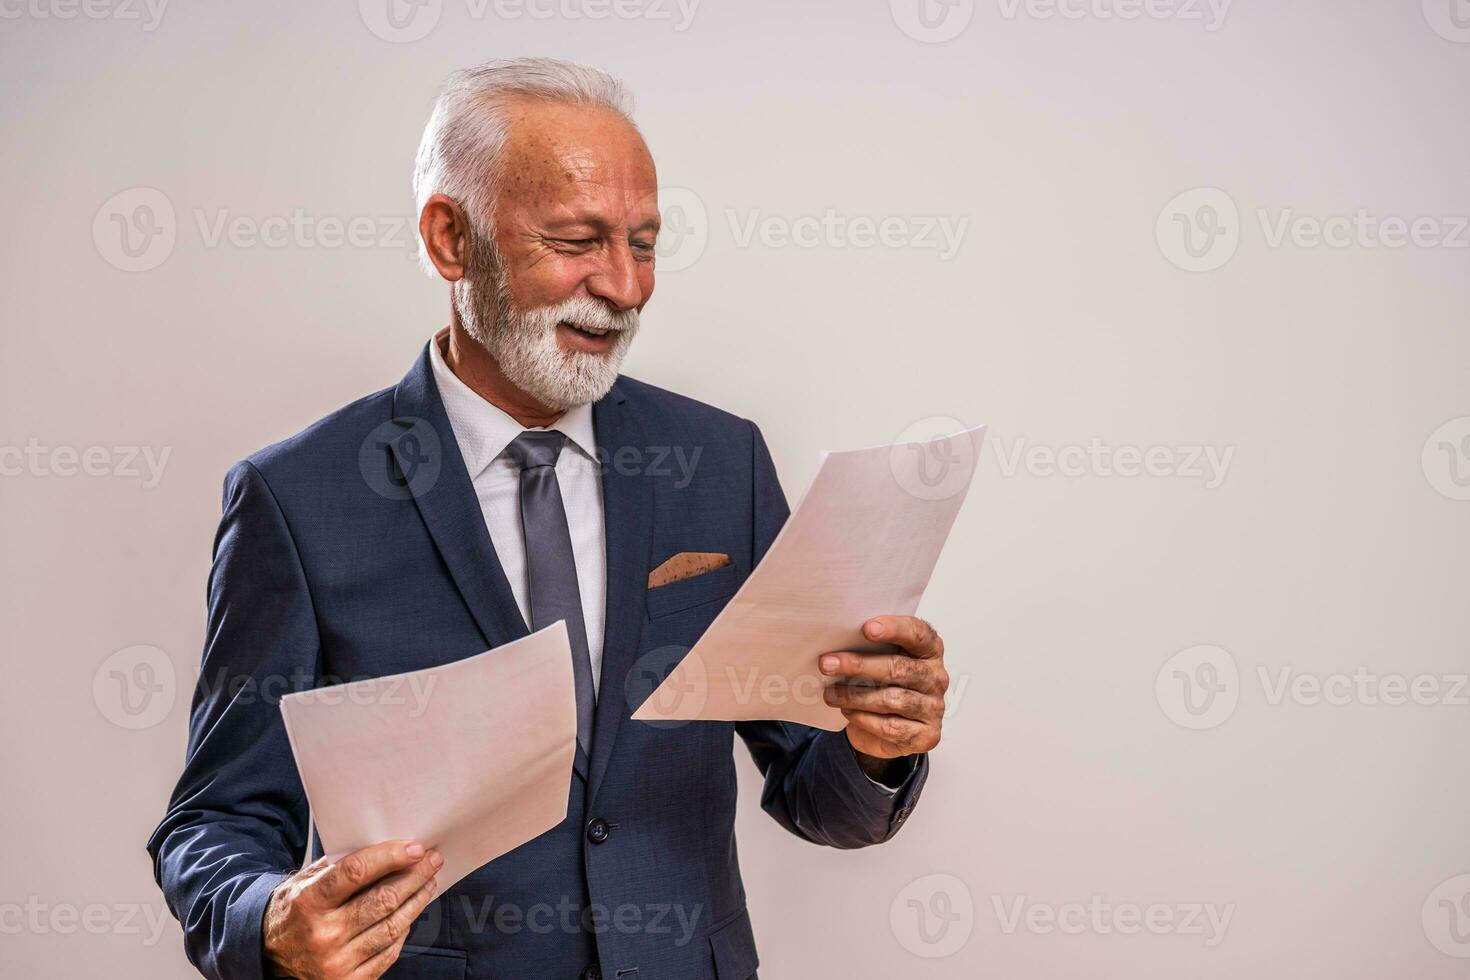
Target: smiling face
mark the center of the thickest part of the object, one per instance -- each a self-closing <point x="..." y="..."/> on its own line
<point x="556" y="300"/>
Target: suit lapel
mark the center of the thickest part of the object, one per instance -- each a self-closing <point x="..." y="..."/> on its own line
<point x="627" y="498"/>
<point x="450" y="506"/>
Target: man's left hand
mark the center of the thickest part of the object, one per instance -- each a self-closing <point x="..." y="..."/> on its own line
<point x="893" y="702"/>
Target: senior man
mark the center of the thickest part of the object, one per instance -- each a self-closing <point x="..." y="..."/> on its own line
<point x="490" y="492"/>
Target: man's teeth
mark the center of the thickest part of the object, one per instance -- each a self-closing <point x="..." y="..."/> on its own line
<point x="594" y="331"/>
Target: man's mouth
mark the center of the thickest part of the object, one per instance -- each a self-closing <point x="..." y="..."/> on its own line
<point x="584" y="337"/>
<point x="589" y="331"/>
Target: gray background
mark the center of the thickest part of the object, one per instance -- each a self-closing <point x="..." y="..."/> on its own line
<point x="1334" y="376"/>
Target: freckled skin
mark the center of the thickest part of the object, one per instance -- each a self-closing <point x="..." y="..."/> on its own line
<point x="576" y="214"/>
<point x="574" y="174"/>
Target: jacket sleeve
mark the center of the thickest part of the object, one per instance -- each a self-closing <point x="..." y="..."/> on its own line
<point x="235" y="826"/>
<point x="814" y="786"/>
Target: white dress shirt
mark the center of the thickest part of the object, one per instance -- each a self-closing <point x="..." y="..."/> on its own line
<point x="483" y="431"/>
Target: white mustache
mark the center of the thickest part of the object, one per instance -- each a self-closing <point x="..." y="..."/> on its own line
<point x="583" y="311"/>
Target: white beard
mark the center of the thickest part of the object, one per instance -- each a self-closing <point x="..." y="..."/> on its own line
<point x="524" y="344"/>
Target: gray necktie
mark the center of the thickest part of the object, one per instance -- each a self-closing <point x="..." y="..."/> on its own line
<point x="551" y="567"/>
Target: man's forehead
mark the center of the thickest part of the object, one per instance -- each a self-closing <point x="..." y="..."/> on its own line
<point x="574" y="151"/>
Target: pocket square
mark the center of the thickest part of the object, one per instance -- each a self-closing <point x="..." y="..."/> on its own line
<point x="686" y="564"/>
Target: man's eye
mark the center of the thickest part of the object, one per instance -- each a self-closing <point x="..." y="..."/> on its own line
<point x="644" y="246"/>
<point x="577" y="242"/>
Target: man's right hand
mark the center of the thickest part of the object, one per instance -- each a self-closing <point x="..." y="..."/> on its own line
<point x="349" y="917"/>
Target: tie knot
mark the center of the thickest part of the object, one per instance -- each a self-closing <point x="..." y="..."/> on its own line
<point x="532" y="448"/>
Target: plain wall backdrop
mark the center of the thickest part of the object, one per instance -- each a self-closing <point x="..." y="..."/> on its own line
<point x="1202" y="269"/>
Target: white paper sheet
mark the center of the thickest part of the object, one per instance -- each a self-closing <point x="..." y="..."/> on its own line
<point x="473" y="758"/>
<point x="862" y="542"/>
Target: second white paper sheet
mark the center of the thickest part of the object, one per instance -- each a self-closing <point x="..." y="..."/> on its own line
<point x="473" y="758"/>
<point x="862" y="542"/>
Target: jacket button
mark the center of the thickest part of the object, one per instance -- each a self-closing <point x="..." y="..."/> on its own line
<point x="597" y="831"/>
<point x="593" y="972"/>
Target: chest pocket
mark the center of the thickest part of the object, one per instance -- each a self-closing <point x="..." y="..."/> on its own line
<point x="665" y="600"/>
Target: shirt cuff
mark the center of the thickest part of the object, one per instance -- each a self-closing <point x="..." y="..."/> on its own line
<point x="913" y="765"/>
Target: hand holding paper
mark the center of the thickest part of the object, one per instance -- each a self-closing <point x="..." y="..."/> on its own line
<point x="473" y="758"/>
<point x="863" y="541"/>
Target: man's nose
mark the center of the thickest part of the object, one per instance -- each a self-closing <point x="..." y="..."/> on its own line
<point x="617" y="280"/>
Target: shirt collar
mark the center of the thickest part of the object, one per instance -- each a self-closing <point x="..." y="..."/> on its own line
<point x="483" y="430"/>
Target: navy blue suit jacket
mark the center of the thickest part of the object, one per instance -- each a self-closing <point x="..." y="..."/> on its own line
<point x="327" y="567"/>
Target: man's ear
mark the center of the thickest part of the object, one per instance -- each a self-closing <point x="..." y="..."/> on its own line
<point x="445" y="232"/>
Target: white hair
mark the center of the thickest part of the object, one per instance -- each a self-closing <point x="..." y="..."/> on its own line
<point x="462" y="147"/>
